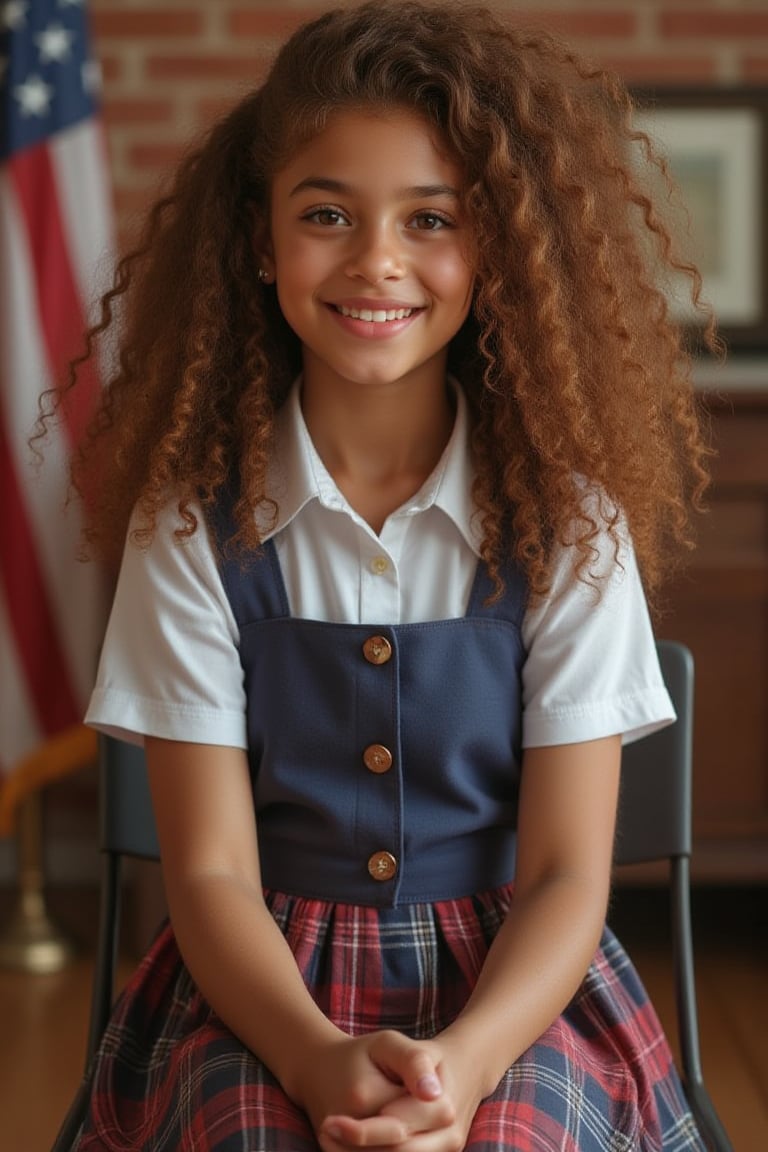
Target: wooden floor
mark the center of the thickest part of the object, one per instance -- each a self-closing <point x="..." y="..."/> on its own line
<point x="43" y="1018"/>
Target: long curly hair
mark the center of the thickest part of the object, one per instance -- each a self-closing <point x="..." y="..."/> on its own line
<point x="573" y="370"/>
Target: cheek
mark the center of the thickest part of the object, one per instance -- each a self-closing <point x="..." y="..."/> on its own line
<point x="304" y="266"/>
<point x="300" y="274"/>
<point x="450" y="265"/>
<point x="454" y="277"/>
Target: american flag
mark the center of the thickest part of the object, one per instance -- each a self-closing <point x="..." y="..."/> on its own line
<point x="55" y="244"/>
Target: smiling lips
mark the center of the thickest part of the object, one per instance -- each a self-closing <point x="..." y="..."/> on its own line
<point x="375" y="315"/>
<point x="370" y="323"/>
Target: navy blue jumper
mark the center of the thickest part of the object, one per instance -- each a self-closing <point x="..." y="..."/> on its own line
<point x="385" y="759"/>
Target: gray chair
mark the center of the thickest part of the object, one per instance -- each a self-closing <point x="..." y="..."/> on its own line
<point x="126" y="829"/>
<point x="654" y="824"/>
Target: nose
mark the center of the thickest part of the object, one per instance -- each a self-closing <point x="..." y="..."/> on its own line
<point x="377" y="255"/>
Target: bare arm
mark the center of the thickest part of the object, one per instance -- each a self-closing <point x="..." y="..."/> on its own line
<point x="235" y="952"/>
<point x="203" y="805"/>
<point x="566" y="827"/>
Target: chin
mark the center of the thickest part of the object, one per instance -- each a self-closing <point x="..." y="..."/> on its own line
<point x="373" y="378"/>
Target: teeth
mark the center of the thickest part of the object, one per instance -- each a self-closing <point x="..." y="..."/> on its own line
<point x="379" y="316"/>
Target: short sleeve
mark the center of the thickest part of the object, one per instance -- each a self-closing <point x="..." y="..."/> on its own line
<point x="591" y="668"/>
<point x="170" y="665"/>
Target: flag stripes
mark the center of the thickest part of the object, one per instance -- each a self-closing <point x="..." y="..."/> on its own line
<point x="58" y="305"/>
<point x="55" y="252"/>
<point x="34" y="631"/>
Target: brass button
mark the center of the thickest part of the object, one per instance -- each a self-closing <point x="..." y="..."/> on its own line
<point x="382" y="866"/>
<point x="377" y="650"/>
<point x="377" y="758"/>
<point x="379" y="565"/>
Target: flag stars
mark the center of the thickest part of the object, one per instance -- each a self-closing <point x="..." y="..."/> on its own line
<point x="13" y="13"/>
<point x="55" y="44"/>
<point x="34" y="96"/>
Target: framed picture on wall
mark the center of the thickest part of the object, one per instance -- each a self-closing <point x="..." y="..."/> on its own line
<point x="716" y="143"/>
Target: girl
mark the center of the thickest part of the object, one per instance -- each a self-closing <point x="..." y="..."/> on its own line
<point x="401" y="422"/>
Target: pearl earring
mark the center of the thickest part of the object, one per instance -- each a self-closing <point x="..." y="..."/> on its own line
<point x="263" y="276"/>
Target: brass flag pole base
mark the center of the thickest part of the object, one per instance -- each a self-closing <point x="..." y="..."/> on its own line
<point x="31" y="942"/>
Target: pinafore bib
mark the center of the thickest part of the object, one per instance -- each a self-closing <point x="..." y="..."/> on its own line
<point x="384" y="759"/>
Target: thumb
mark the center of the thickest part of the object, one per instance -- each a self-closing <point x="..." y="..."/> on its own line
<point x="409" y="1062"/>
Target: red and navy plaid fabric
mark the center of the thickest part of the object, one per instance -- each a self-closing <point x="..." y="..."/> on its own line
<point x="170" y="1076"/>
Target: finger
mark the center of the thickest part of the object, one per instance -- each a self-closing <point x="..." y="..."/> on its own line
<point x="421" y="1115"/>
<point x="374" y="1131"/>
<point x="409" y="1062"/>
<point x="426" y="1086"/>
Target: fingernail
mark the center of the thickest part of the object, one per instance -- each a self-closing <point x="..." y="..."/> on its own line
<point x="430" y="1085"/>
<point x="333" y="1131"/>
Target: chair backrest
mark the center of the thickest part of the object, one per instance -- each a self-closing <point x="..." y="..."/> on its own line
<point x="126" y="819"/>
<point x="654" y="821"/>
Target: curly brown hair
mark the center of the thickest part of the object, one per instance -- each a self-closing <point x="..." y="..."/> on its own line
<point x="571" y="365"/>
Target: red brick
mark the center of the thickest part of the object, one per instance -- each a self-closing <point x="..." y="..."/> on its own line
<point x="156" y="156"/>
<point x="210" y="109"/>
<point x="131" y="206"/>
<point x="111" y="67"/>
<point x="146" y="22"/>
<point x="669" y="70"/>
<point x="130" y="202"/>
<point x="588" y="23"/>
<point x="719" y="25"/>
<point x="269" y="22"/>
<point x="119" y="111"/>
<point x="204" y="67"/>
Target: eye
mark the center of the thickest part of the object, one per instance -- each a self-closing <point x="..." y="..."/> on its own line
<point x="430" y="221"/>
<point x="326" y="216"/>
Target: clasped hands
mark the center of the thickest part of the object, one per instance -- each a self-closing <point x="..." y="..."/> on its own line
<point x="387" y="1091"/>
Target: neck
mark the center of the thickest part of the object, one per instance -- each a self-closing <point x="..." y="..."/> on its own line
<point x="379" y="444"/>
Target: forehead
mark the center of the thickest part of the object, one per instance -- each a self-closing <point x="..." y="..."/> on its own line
<point x="374" y="148"/>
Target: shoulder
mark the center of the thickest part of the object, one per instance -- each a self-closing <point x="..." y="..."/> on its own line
<point x="171" y="581"/>
<point x="169" y="664"/>
<point x="591" y="668"/>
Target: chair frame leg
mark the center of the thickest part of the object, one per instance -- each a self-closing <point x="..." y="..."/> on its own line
<point x="102" y="995"/>
<point x="704" y="1111"/>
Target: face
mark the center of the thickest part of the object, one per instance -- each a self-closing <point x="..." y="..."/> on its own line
<point x="369" y="251"/>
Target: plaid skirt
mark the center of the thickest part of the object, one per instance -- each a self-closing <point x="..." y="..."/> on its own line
<point x="170" y="1076"/>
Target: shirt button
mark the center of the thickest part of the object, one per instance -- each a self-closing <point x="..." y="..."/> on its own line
<point x="377" y="758"/>
<point x="379" y="565"/>
<point x="382" y="866"/>
<point x="377" y="650"/>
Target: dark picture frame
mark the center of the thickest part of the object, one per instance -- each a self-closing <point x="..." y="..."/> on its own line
<point x="716" y="143"/>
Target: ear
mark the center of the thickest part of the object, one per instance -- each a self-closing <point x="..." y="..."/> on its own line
<point x="262" y="248"/>
<point x="266" y="267"/>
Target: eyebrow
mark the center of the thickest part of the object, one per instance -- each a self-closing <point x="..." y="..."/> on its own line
<point x="414" y="192"/>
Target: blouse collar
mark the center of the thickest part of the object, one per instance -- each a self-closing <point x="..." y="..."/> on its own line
<point x="297" y="475"/>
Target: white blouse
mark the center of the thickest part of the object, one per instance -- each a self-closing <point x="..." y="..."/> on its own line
<point x="170" y="666"/>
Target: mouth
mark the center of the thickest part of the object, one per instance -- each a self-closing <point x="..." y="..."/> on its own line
<point x="375" y="315"/>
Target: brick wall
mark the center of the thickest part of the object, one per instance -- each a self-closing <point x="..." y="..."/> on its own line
<point x="171" y="65"/>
